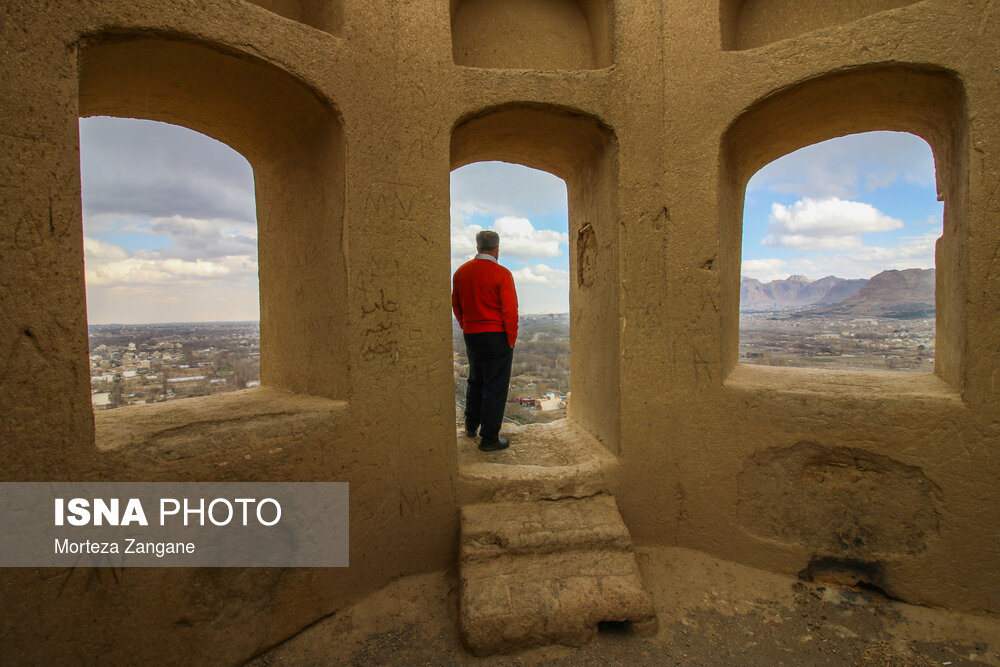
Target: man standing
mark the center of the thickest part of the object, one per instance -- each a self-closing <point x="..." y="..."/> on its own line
<point x="485" y="305"/>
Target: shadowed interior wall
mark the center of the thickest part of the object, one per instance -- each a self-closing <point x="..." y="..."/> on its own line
<point x="582" y="152"/>
<point x="294" y="142"/>
<point x="531" y="34"/>
<point x="326" y="15"/>
<point x="747" y="24"/>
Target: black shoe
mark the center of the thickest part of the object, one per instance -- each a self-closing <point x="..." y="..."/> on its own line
<point x="472" y="433"/>
<point x="494" y="445"/>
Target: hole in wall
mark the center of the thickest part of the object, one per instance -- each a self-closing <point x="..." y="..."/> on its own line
<point x="876" y="591"/>
<point x="865" y="576"/>
<point x="614" y="627"/>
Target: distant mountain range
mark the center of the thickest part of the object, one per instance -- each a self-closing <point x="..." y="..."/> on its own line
<point x="797" y="291"/>
<point x="906" y="293"/>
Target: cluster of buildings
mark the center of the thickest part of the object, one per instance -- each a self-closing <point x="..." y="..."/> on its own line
<point x="545" y="403"/>
<point x="847" y="341"/>
<point x="161" y="367"/>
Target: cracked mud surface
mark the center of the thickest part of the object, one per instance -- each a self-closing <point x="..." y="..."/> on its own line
<point x="711" y="612"/>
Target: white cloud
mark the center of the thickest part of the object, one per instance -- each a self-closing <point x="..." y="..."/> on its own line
<point x="914" y="252"/>
<point x="511" y="196"/>
<point x="199" y="268"/>
<point x="541" y="274"/>
<point x="95" y="223"/>
<point x="765" y="270"/>
<point x="183" y="191"/>
<point x="803" y="242"/>
<point x="542" y="289"/>
<point x="463" y="237"/>
<point x="153" y="270"/>
<point x="825" y="224"/>
<point x="818" y="180"/>
<point x="98" y="251"/>
<point x="933" y="220"/>
<point x="197" y="238"/>
<point x="518" y="238"/>
<point x="200" y="252"/>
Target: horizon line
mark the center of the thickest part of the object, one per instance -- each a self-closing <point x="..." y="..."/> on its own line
<point x="257" y="321"/>
<point x="802" y="275"/>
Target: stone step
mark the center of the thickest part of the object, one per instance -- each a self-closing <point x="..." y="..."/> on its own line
<point x="547" y="572"/>
<point x="492" y="529"/>
<point x="544" y="461"/>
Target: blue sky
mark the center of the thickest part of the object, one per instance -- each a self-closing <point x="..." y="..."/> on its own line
<point x="849" y="207"/>
<point x="170" y="233"/>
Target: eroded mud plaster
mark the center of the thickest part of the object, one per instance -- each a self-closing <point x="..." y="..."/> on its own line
<point x="838" y="501"/>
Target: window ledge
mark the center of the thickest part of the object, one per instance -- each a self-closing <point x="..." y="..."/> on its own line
<point x="865" y="385"/>
<point x="189" y="428"/>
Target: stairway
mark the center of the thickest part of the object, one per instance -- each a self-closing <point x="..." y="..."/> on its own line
<point x="541" y="571"/>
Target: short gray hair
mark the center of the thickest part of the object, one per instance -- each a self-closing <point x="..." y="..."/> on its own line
<point x="487" y="240"/>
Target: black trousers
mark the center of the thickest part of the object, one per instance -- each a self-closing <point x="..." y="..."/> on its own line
<point x="490" y="357"/>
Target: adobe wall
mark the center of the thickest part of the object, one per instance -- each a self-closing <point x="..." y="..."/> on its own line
<point x="352" y="114"/>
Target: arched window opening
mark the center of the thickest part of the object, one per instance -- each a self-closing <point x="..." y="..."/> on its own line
<point x="927" y="102"/>
<point x="581" y="151"/>
<point x="294" y="141"/>
<point x="170" y="245"/>
<point x="838" y="259"/>
<point x="529" y="209"/>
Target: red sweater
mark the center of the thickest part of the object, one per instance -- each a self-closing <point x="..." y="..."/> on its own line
<point x="484" y="299"/>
